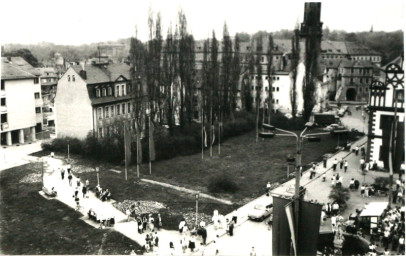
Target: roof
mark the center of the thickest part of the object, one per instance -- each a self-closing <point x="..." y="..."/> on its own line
<point x="358" y="49"/>
<point x="21" y="63"/>
<point x="47" y="72"/>
<point x="374" y="209"/>
<point x="398" y="61"/>
<point x="333" y="47"/>
<point x="10" y="71"/>
<point x="96" y="74"/>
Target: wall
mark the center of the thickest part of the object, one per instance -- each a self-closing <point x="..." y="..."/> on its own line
<point x="20" y="104"/>
<point x="73" y="107"/>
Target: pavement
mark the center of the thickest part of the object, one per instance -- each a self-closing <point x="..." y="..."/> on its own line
<point x="12" y="156"/>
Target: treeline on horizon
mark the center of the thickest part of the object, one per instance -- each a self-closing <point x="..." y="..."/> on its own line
<point x="389" y="44"/>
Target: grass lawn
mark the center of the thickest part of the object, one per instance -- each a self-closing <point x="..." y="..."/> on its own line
<point x="31" y="224"/>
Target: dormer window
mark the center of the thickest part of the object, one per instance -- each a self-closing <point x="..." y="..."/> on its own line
<point x="109" y="91"/>
<point x="104" y="92"/>
<point x="97" y="93"/>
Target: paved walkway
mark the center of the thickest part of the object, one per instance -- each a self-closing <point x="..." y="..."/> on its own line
<point x="12" y="156"/>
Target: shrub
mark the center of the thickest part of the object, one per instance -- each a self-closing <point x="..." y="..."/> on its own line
<point x="340" y="195"/>
<point x="222" y="184"/>
<point x="281" y="121"/>
<point x="381" y="183"/>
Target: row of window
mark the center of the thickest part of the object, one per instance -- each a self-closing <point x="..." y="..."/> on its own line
<point x="361" y="71"/>
<point x="361" y="80"/>
<point x="114" y="110"/>
<point x="267" y="77"/>
<point x="73" y="78"/>
<point x="273" y="101"/>
<point x="266" y="88"/>
<point x="366" y="58"/>
<point x="121" y="90"/>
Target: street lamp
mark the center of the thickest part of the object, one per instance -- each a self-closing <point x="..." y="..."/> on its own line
<point x="97" y="172"/>
<point x="68" y="152"/>
<point x="299" y="147"/>
<point x="197" y="206"/>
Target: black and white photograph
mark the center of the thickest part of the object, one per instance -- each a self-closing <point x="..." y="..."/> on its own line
<point x="202" y="128"/>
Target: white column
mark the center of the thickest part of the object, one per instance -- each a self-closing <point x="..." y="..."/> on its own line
<point x="9" y="141"/>
<point x="21" y="136"/>
<point x="33" y="138"/>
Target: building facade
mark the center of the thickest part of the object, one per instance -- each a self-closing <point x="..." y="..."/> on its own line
<point x="387" y="101"/>
<point x="20" y="109"/>
<point x="93" y="98"/>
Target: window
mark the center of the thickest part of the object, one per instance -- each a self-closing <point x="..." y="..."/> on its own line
<point x="36" y="95"/>
<point x="3" y="102"/>
<point x="117" y="90"/>
<point x="266" y="88"/>
<point x="38" y="110"/>
<point x="3" y="118"/>
<point x="277" y="89"/>
<point x="97" y="93"/>
<point x="360" y="80"/>
<point x="100" y="132"/>
<point x="36" y="81"/>
<point x="100" y="113"/>
<point x="262" y="59"/>
<point x="123" y="90"/>
<point x="112" y="111"/>
<point x="273" y="89"/>
<point x="106" y="112"/>
<point x="104" y="92"/>
<point x="73" y="78"/>
<point x="2" y="85"/>
<point x="277" y="101"/>
<point x="351" y="80"/>
<point x="352" y="70"/>
<point x="68" y="78"/>
<point x="118" y="110"/>
<point x="252" y="88"/>
<point x="109" y="91"/>
<point x="400" y="95"/>
<point x="367" y="80"/>
<point x="123" y="108"/>
<point x="277" y="78"/>
<point x="129" y="107"/>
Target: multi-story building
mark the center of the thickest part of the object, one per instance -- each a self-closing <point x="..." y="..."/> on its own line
<point x="387" y="101"/>
<point x="20" y="96"/>
<point x="91" y="98"/>
<point x="49" y="80"/>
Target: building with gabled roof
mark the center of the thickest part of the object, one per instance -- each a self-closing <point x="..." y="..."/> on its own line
<point x="90" y="98"/>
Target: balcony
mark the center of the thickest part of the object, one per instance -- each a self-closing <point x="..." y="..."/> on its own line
<point x="3" y="109"/>
<point x="2" y="93"/>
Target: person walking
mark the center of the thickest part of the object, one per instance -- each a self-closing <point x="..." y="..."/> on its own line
<point x="268" y="188"/>
<point x="345" y="165"/>
<point x="362" y="164"/>
<point x="84" y="191"/>
<point x="128" y="213"/>
<point x="139" y="223"/>
<point x="231" y="228"/>
<point x="70" y="179"/>
<point x="313" y="171"/>
<point x="87" y="183"/>
<point x="77" y="203"/>
<point x="335" y="162"/>
<point x="159" y="222"/>
<point x="341" y="163"/>
<point x="204" y="235"/>
<point x="151" y="225"/>
<point x="192" y="243"/>
<point x="156" y="240"/>
<point x="62" y="173"/>
<point x="76" y="191"/>
<point x="356" y="150"/>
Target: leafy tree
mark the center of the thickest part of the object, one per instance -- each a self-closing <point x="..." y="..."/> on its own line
<point x="235" y="75"/>
<point x="243" y="37"/>
<point x="226" y="73"/>
<point x="294" y="65"/>
<point x="258" y="86"/>
<point x="340" y="195"/>
<point x="269" y="72"/>
<point x="25" y="54"/>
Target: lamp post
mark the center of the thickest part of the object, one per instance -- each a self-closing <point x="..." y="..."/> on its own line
<point x="97" y="172"/>
<point x="197" y="207"/>
<point x="148" y="112"/>
<point x="68" y="152"/>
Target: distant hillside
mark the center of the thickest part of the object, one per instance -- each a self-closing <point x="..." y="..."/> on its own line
<point x="390" y="44"/>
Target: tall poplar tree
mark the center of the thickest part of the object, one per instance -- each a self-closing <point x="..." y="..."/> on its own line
<point x="294" y="64"/>
<point x="270" y="72"/>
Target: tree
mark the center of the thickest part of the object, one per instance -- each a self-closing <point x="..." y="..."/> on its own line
<point x="294" y="63"/>
<point x="214" y="85"/>
<point x="340" y="195"/>
<point x="235" y="75"/>
<point x="259" y="78"/>
<point x="25" y="54"/>
<point x="269" y="72"/>
<point x="226" y="73"/>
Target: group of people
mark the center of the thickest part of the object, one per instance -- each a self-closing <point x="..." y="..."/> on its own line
<point x="390" y="232"/>
<point x="145" y="221"/>
<point x="342" y="163"/>
<point x="103" y="195"/>
<point x="151" y="242"/>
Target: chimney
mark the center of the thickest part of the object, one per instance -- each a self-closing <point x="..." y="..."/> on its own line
<point x="83" y="74"/>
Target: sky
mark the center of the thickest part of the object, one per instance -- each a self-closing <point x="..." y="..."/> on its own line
<point x="76" y="22"/>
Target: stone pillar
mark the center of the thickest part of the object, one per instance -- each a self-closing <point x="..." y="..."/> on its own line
<point x="33" y="138"/>
<point x="21" y="136"/>
<point x="9" y="141"/>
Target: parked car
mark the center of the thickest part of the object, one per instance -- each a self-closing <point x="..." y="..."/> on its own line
<point x="260" y="212"/>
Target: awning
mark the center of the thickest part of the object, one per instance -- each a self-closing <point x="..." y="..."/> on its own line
<point x="374" y="209"/>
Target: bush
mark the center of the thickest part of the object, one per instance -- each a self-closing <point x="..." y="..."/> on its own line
<point x="281" y="121"/>
<point x="381" y="183"/>
<point x="222" y="184"/>
<point x="340" y="195"/>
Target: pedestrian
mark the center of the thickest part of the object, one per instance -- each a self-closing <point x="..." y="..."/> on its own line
<point x="70" y="179"/>
<point x="324" y="177"/>
<point x="172" y="248"/>
<point x="52" y="155"/>
<point x="341" y="163"/>
<point x="156" y="240"/>
<point x="333" y="180"/>
<point x="77" y="203"/>
<point x="159" y="221"/>
<point x="182" y="223"/>
<point x="183" y="243"/>
<point x="234" y="218"/>
<point x="62" y="173"/>
<point x="401" y="248"/>
<point x="352" y="182"/>
<point x="356" y="150"/>
<point x="84" y="191"/>
<point x="144" y="223"/>
<point x="402" y="170"/>
<point x="151" y="221"/>
<point x="231" y="228"/>
<point x="335" y="162"/>
<point x="69" y="168"/>
<point x="76" y="191"/>
<point x="366" y="191"/>
<point x="204" y="235"/>
<point x="268" y="188"/>
<point x="340" y="180"/>
<point x="128" y="213"/>
<point x="87" y="183"/>
<point x="192" y="243"/>
<point x="345" y="165"/>
<point x="252" y="252"/>
<point x="313" y="171"/>
<point x="139" y="223"/>
<point x="362" y="190"/>
<point x="362" y="164"/>
<point x="336" y="208"/>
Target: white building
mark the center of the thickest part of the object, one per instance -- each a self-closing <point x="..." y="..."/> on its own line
<point x="21" y="103"/>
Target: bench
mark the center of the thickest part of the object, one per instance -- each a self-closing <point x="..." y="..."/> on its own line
<point x="48" y="192"/>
